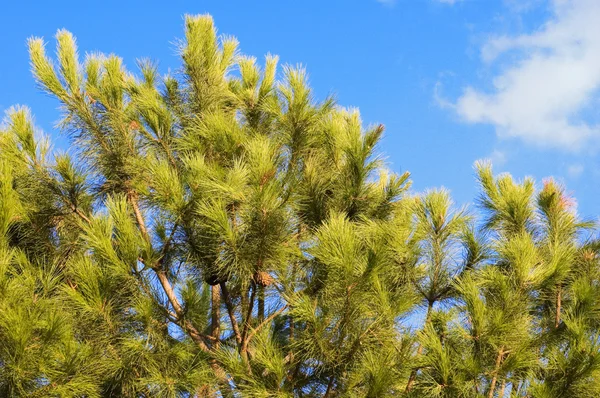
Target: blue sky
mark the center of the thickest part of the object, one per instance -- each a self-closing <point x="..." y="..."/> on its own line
<point x="453" y="81"/>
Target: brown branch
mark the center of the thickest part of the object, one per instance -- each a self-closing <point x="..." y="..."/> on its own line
<point x="133" y="199"/>
<point x="169" y="313"/>
<point x="496" y="371"/>
<point x="232" y="318"/>
<point x="261" y="303"/>
<point x="244" y="346"/>
<point x="177" y="307"/>
<point x="172" y="316"/>
<point x="215" y="314"/>
<point x="81" y="215"/>
<point x="160" y="274"/>
<point x="170" y="292"/>
<point x="199" y="338"/>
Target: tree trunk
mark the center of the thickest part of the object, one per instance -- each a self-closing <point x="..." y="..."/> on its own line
<point x="261" y="303"/>
<point x="231" y="312"/>
<point x="215" y="326"/>
<point x="247" y="320"/>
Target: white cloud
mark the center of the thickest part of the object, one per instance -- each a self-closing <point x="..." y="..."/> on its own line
<point x="540" y="96"/>
<point x="575" y="170"/>
<point x="439" y="98"/>
<point x="448" y="1"/>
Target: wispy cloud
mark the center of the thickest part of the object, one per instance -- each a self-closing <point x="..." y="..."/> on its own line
<point x="575" y="170"/>
<point x="387" y="3"/>
<point x="497" y="157"/>
<point x="541" y="96"/>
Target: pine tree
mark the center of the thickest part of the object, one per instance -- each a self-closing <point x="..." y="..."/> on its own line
<point x="221" y="232"/>
<point x="510" y="332"/>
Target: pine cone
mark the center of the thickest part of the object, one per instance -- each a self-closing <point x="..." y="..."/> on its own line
<point x="589" y="255"/>
<point x="262" y="278"/>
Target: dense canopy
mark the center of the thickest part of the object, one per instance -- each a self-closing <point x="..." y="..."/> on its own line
<point x="221" y="232"/>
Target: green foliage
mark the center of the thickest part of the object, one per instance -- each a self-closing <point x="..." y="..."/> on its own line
<point x="220" y="232"/>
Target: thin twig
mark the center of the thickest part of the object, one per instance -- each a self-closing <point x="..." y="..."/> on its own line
<point x="266" y="321"/>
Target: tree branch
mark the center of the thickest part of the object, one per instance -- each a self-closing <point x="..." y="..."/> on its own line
<point x="133" y="199"/>
<point x="230" y="311"/>
<point x="496" y="371"/>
